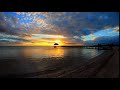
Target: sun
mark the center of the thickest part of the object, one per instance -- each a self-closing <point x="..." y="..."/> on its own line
<point x="57" y="41"/>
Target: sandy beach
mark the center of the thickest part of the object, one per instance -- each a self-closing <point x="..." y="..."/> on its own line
<point x="111" y="68"/>
<point x="105" y="65"/>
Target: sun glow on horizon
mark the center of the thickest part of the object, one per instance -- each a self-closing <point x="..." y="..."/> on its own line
<point x="64" y="28"/>
<point x="60" y="42"/>
<point x="57" y="41"/>
<point x="38" y="43"/>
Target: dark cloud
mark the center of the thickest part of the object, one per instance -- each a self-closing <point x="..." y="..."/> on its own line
<point x="8" y="24"/>
<point x="103" y="40"/>
<point x="8" y="39"/>
<point x="78" y="23"/>
<point x="68" y="24"/>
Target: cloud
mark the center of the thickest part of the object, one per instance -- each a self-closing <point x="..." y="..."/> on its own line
<point x="8" y="39"/>
<point x="103" y="40"/>
<point x="76" y="23"/>
<point x="117" y="30"/>
<point x="8" y="24"/>
<point x="69" y="23"/>
<point x="46" y="36"/>
<point x="72" y="25"/>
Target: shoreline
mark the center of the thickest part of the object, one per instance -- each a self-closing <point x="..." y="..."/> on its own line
<point x="111" y="69"/>
<point x="93" y="69"/>
<point x="89" y="70"/>
<point x="101" y="67"/>
<point x="86" y="71"/>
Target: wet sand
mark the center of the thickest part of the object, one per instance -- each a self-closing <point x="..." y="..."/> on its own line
<point x="105" y="65"/>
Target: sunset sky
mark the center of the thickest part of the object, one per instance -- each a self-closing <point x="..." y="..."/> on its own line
<point x="65" y="28"/>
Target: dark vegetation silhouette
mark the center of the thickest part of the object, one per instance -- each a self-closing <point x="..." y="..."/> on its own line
<point x="55" y="45"/>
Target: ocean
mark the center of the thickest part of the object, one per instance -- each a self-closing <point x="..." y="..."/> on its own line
<point x="21" y="60"/>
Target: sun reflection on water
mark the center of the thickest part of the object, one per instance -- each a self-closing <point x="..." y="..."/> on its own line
<point x="36" y="53"/>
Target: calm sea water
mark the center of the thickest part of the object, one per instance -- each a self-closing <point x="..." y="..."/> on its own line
<point x="37" y="53"/>
<point x="28" y="59"/>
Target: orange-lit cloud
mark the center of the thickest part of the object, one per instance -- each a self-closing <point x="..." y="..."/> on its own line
<point x="45" y="28"/>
